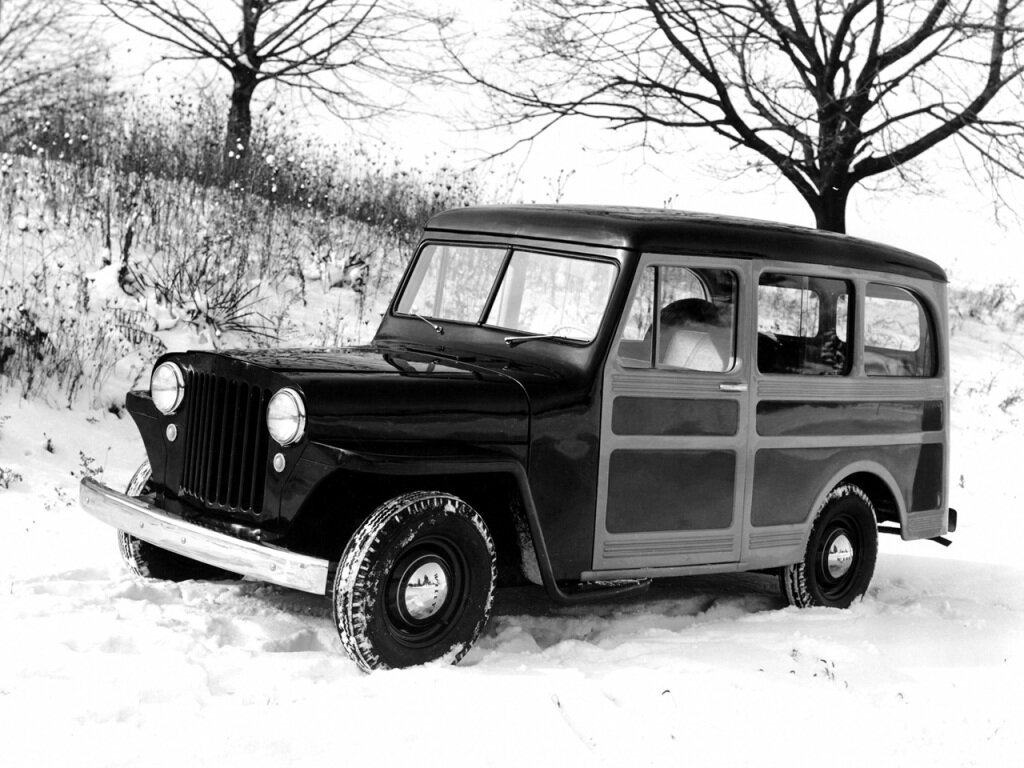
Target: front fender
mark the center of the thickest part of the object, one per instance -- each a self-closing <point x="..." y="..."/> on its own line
<point x="327" y="462"/>
<point x="330" y="489"/>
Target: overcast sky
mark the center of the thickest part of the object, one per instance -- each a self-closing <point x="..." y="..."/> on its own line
<point x="953" y="224"/>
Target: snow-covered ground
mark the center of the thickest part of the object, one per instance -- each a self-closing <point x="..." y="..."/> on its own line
<point x="99" y="668"/>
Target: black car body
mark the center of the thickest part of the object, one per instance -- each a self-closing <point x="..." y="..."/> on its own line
<point x="526" y="401"/>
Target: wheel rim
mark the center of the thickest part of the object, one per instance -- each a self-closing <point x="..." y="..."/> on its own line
<point x="426" y="591"/>
<point x="838" y="558"/>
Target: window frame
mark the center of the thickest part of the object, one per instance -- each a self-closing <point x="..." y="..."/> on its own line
<point x="741" y="271"/>
<point x="926" y="322"/>
<point x="794" y="271"/>
<point x="510" y="249"/>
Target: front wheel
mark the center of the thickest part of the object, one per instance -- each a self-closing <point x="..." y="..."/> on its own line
<point x="841" y="553"/>
<point x="149" y="560"/>
<point x="415" y="582"/>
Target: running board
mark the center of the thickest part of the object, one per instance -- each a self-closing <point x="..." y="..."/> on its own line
<point x="594" y="591"/>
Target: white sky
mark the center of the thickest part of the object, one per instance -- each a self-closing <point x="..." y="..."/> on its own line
<point x="954" y="224"/>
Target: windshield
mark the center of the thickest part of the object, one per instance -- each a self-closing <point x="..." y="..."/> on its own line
<point x="531" y="293"/>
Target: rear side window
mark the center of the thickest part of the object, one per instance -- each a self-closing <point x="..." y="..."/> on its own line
<point x="898" y="336"/>
<point x="802" y="325"/>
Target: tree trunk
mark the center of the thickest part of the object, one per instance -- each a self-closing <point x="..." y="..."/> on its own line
<point x="830" y="209"/>
<point x="239" y="131"/>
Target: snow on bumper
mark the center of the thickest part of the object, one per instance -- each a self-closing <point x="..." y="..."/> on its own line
<point x="144" y="521"/>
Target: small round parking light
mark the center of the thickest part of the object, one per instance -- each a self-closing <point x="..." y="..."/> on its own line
<point x="279" y="462"/>
<point x="171" y="432"/>
<point x="167" y="388"/>
<point x="286" y="416"/>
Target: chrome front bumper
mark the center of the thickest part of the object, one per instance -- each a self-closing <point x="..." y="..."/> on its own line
<point x="146" y="522"/>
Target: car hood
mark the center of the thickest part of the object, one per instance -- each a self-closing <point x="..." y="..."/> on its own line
<point x="371" y="394"/>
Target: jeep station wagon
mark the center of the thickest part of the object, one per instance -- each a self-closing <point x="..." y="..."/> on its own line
<point x="583" y="398"/>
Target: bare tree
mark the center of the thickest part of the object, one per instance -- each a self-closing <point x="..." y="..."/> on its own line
<point x="39" y="69"/>
<point x="326" y="48"/>
<point x="827" y="93"/>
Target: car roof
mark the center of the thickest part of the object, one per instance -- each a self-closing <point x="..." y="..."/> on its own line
<point x="657" y="230"/>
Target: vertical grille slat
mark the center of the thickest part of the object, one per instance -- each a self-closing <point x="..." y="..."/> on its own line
<point x="262" y="440"/>
<point x="212" y="443"/>
<point x="193" y="398"/>
<point x="226" y="443"/>
<point x="203" y="457"/>
<point x="200" y="433"/>
<point x="241" y="393"/>
<point x="223" y="421"/>
<point x="248" y="447"/>
<point x="190" y="431"/>
<point x="259" y="453"/>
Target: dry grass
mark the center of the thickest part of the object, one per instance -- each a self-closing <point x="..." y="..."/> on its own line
<point x="115" y="231"/>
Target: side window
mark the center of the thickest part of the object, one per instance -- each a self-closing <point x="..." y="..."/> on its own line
<point x="682" y="318"/>
<point x="898" y="335"/>
<point x="639" y="323"/>
<point x="802" y="325"/>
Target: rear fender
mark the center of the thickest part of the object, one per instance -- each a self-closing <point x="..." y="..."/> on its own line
<point x="879" y="475"/>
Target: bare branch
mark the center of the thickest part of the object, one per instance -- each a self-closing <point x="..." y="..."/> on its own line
<point x="39" y="71"/>
<point x="828" y="92"/>
<point x="331" y="50"/>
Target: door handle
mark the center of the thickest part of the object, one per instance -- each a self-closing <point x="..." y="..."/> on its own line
<point x="729" y="386"/>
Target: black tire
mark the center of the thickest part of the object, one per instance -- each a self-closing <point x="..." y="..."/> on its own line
<point x="152" y="562"/>
<point x="415" y="583"/>
<point x="841" y="553"/>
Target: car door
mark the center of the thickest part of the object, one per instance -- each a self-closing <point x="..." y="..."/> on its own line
<point x="674" y="423"/>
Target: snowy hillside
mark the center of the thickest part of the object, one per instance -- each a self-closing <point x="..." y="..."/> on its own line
<point x="103" y="669"/>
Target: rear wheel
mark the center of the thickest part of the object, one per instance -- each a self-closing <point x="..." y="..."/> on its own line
<point x="149" y="560"/>
<point x="841" y="553"/>
<point x="415" y="582"/>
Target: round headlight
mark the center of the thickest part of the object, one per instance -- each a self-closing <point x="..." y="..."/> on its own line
<point x="286" y="416"/>
<point x="167" y="387"/>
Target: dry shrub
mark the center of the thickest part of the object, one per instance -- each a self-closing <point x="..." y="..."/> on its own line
<point x="996" y="304"/>
<point x="124" y="223"/>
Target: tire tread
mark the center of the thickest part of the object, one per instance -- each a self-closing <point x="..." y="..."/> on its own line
<point x="793" y="578"/>
<point x="354" y="573"/>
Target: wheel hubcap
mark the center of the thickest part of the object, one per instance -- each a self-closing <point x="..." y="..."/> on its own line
<point x="424" y="589"/>
<point x="425" y="592"/>
<point x="839" y="556"/>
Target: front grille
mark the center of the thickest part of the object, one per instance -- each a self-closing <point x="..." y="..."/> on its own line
<point x="226" y="442"/>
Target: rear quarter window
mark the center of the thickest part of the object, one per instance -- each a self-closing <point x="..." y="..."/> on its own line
<point x="899" y="339"/>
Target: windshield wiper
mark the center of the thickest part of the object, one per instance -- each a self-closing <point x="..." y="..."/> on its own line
<point x="514" y="340"/>
<point x="437" y="328"/>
